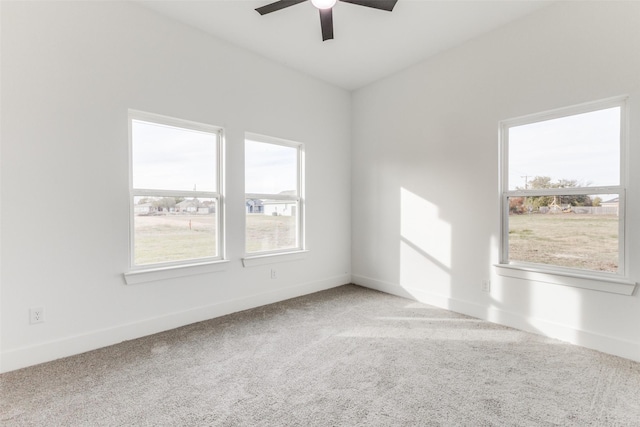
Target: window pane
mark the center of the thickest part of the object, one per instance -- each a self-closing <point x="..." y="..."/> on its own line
<point x="174" y="229"/>
<point x="271" y="225"/>
<point x="581" y="150"/>
<point x="561" y="231"/>
<point x="172" y="158"/>
<point x="270" y="168"/>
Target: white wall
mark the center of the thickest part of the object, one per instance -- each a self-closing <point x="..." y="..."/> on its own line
<point x="70" y="71"/>
<point x="425" y="169"/>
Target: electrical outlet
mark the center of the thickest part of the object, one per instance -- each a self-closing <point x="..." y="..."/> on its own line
<point x="273" y="274"/>
<point x="486" y="286"/>
<point x="36" y="315"/>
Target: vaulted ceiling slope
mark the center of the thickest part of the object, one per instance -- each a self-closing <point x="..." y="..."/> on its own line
<point x="369" y="44"/>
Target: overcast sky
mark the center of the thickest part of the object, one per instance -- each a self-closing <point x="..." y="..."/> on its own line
<point x="170" y="158"/>
<point x="584" y="147"/>
<point x="270" y="168"/>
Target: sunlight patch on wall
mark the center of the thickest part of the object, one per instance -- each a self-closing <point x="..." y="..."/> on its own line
<point x="425" y="245"/>
<point x="562" y="304"/>
<point x="422" y="227"/>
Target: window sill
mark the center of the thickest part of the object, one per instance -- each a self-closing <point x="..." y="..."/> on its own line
<point x="593" y="282"/>
<point x="252" y="261"/>
<point x="153" y="274"/>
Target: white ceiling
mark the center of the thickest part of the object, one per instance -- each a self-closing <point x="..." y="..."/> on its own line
<point x="369" y="44"/>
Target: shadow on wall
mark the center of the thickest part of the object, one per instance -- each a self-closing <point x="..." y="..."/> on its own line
<point x="530" y="306"/>
<point x="437" y="243"/>
<point x="438" y="264"/>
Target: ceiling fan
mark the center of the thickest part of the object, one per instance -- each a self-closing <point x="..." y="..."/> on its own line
<point x="325" y="7"/>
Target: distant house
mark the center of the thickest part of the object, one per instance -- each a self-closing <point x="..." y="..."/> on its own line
<point x="207" y="207"/>
<point x="143" y="209"/>
<point x="273" y="207"/>
<point x="188" y="206"/>
<point x="254" y="206"/>
<point x="279" y="207"/>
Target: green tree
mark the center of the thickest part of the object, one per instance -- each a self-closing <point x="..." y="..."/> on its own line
<point x="542" y="182"/>
<point x="516" y="205"/>
<point x="164" y="203"/>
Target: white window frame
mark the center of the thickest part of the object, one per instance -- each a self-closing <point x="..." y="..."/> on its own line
<point x="265" y="257"/>
<point x="170" y="269"/>
<point x="618" y="282"/>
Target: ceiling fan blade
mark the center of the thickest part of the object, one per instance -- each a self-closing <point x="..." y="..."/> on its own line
<point x="376" y="4"/>
<point x="326" y="22"/>
<point x="272" y="7"/>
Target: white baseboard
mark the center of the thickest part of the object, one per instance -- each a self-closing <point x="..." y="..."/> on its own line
<point x="32" y="355"/>
<point x="606" y="344"/>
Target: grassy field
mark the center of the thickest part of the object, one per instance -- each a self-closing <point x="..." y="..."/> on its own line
<point x="568" y="240"/>
<point x="267" y="232"/>
<point x="164" y="238"/>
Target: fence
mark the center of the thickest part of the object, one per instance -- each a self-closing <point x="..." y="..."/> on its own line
<point x="595" y="210"/>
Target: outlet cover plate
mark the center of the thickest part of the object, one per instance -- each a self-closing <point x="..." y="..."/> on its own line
<point x="36" y="315"/>
<point x="486" y="286"/>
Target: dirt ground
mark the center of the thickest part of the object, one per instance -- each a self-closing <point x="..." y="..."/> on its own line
<point x="565" y="239"/>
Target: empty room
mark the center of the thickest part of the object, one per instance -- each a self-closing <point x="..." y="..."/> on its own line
<point x="319" y="212"/>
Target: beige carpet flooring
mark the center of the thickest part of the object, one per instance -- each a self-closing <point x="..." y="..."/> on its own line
<point x="343" y="357"/>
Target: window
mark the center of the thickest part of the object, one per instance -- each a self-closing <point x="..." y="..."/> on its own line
<point x="176" y="202"/>
<point x="273" y="195"/>
<point x="563" y="190"/>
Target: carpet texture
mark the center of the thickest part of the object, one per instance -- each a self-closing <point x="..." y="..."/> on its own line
<point x="344" y="357"/>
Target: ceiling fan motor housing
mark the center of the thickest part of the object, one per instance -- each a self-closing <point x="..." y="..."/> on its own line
<point x="325" y="7"/>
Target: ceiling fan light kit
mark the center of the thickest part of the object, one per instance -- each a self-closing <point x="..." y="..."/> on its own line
<point x="324" y="4"/>
<point x="325" y="7"/>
